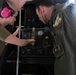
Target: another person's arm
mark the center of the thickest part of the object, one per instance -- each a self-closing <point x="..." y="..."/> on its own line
<point x="7" y="37"/>
<point x="16" y="41"/>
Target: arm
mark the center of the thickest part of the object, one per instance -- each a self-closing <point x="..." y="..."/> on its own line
<point x="7" y="37"/>
<point x="16" y="41"/>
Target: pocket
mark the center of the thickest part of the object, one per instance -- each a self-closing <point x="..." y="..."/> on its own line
<point x="58" y="51"/>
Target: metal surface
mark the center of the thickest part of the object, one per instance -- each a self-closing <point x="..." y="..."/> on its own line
<point x="18" y="49"/>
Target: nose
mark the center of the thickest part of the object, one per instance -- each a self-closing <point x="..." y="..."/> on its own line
<point x="14" y="19"/>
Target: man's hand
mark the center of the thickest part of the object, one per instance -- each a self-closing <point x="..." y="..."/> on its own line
<point x="26" y="40"/>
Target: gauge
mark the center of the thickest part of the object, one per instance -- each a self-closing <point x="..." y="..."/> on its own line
<point x="40" y="33"/>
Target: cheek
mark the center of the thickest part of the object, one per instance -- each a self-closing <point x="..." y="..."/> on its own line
<point x="3" y="21"/>
<point x="11" y="20"/>
<point x="49" y="16"/>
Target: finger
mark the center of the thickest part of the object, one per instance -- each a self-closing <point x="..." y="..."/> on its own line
<point x="17" y="31"/>
<point x="31" y="40"/>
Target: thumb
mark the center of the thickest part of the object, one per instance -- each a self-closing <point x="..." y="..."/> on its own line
<point x="31" y="40"/>
<point x="16" y="32"/>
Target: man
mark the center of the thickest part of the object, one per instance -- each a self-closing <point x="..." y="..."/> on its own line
<point x="63" y="20"/>
<point x="4" y="34"/>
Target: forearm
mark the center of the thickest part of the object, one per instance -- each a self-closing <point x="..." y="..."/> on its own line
<point x="7" y="37"/>
<point x="16" y="41"/>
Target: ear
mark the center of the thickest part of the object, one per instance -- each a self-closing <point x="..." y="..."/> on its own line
<point x="41" y="8"/>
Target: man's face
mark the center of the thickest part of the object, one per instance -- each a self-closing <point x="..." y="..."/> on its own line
<point x="10" y="20"/>
<point x="43" y="14"/>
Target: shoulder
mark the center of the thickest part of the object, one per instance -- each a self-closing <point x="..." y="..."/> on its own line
<point x="69" y="9"/>
<point x="66" y="7"/>
<point x="69" y="13"/>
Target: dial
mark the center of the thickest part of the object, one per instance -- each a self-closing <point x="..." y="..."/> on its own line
<point x="40" y="33"/>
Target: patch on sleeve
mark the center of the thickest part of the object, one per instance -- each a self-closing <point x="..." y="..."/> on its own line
<point x="56" y="20"/>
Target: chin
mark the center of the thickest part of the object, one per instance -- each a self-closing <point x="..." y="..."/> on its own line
<point x="12" y="23"/>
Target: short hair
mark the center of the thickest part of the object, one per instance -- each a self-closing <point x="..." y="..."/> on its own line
<point x="44" y="3"/>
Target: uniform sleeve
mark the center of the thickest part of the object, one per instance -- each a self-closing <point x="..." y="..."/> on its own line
<point x="4" y="33"/>
<point x="69" y="17"/>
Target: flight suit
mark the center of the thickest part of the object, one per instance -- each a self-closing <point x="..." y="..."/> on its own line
<point x="64" y="31"/>
<point x="2" y="45"/>
<point x="3" y="35"/>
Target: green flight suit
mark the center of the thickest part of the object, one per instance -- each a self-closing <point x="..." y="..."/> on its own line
<point x="2" y="45"/>
<point x="4" y="33"/>
<point x="65" y="36"/>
